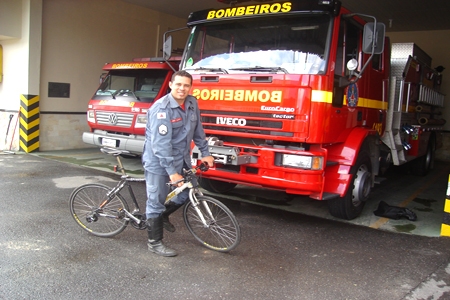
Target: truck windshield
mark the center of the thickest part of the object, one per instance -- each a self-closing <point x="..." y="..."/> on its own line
<point x="290" y="44"/>
<point x="131" y="85"/>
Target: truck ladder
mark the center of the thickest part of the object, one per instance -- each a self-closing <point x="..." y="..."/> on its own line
<point x="431" y="97"/>
<point x="392" y="134"/>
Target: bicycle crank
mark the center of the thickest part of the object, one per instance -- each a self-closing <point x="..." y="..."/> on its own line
<point x="142" y="224"/>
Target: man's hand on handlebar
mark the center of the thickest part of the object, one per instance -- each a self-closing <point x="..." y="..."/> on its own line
<point x="176" y="177"/>
<point x="209" y="160"/>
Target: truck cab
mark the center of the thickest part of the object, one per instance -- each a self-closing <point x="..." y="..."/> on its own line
<point x="117" y="111"/>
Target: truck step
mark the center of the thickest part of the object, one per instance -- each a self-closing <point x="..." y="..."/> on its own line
<point x="379" y="180"/>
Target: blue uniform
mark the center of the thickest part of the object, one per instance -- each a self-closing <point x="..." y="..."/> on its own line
<point x="167" y="148"/>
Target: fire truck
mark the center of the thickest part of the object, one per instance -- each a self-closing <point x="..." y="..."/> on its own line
<point x="117" y="111"/>
<point x="306" y="97"/>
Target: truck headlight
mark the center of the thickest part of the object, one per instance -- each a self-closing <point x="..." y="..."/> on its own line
<point x="141" y="121"/>
<point x="302" y="161"/>
<point x="91" y="116"/>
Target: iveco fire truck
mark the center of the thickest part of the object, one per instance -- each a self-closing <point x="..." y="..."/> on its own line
<point x="298" y="96"/>
<point x="117" y="111"/>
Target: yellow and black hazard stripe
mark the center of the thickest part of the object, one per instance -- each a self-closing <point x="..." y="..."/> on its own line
<point x="29" y="123"/>
<point x="445" y="228"/>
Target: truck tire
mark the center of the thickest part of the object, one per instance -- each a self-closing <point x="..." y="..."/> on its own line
<point x="216" y="186"/>
<point x="422" y="165"/>
<point x="351" y="205"/>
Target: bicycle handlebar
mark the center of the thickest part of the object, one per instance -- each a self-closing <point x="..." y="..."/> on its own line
<point x="203" y="167"/>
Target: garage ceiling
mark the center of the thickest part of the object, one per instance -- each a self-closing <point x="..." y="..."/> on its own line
<point x="405" y="15"/>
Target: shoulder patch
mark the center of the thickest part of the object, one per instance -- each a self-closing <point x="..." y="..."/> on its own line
<point x="162" y="129"/>
<point x="161" y="115"/>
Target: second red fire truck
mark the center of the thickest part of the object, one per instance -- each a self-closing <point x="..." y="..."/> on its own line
<point x="117" y="112"/>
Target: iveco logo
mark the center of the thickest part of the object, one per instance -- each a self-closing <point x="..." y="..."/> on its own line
<point x="112" y="118"/>
<point x="231" y="121"/>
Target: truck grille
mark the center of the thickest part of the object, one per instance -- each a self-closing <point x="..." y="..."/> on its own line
<point x="114" y="118"/>
<point x="260" y="123"/>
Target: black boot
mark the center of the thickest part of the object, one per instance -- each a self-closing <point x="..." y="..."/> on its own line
<point x="170" y="208"/>
<point x="155" y="236"/>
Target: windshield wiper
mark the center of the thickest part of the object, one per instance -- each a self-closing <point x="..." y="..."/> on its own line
<point x="262" y="69"/>
<point x="134" y="95"/>
<point x="110" y="93"/>
<point x="208" y="70"/>
<point x="124" y="92"/>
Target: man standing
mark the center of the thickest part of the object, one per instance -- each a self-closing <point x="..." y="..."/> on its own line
<point x="173" y="122"/>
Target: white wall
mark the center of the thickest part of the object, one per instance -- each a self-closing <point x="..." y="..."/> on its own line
<point x="78" y="37"/>
<point x="10" y="19"/>
<point x="20" y="37"/>
<point x="21" y="54"/>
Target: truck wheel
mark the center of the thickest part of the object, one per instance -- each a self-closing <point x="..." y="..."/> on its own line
<point x="422" y="165"/>
<point x="216" y="186"/>
<point x="351" y="205"/>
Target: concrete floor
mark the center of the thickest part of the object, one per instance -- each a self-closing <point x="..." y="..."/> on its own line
<point x="423" y="195"/>
<point x="282" y="255"/>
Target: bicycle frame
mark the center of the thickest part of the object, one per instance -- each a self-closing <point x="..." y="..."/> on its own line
<point x="187" y="178"/>
<point x="125" y="181"/>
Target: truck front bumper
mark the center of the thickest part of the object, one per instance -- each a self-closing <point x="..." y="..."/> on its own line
<point x="100" y="138"/>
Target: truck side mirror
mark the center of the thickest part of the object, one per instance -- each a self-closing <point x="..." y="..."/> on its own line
<point x="102" y="77"/>
<point x="373" y="38"/>
<point x="167" y="48"/>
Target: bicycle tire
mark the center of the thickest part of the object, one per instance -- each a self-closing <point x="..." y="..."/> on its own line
<point x="223" y="233"/>
<point x="107" y="222"/>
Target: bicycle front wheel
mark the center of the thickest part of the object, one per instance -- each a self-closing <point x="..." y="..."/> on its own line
<point x="220" y="231"/>
<point x="85" y="208"/>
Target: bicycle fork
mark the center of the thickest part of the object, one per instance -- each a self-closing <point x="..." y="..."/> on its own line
<point x="195" y="203"/>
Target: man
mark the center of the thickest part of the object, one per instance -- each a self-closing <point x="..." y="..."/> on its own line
<point x="173" y="122"/>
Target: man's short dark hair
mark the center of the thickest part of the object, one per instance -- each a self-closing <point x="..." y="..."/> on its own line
<point x="182" y="74"/>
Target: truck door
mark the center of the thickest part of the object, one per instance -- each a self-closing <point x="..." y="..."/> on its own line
<point x="349" y="45"/>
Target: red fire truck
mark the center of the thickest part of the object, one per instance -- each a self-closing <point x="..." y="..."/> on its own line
<point x="298" y="96"/>
<point x="117" y="111"/>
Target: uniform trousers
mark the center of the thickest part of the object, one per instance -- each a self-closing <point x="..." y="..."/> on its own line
<point x="157" y="191"/>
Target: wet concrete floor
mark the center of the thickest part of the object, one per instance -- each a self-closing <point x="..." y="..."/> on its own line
<point x="289" y="250"/>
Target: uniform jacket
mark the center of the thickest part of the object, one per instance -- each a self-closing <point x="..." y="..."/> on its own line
<point x="169" y="133"/>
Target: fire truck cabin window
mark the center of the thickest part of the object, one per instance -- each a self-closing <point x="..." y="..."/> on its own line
<point x="141" y="85"/>
<point x="294" y="44"/>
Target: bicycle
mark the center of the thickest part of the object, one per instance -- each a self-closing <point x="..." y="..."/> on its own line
<point x="104" y="212"/>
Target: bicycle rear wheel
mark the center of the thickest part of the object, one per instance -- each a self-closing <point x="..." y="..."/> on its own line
<point x="221" y="231"/>
<point x="103" y="222"/>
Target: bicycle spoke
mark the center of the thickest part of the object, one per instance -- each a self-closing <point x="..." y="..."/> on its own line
<point x="225" y="233"/>
<point x="220" y="231"/>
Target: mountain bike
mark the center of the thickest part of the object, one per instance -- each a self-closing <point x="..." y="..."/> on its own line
<point x="104" y="212"/>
